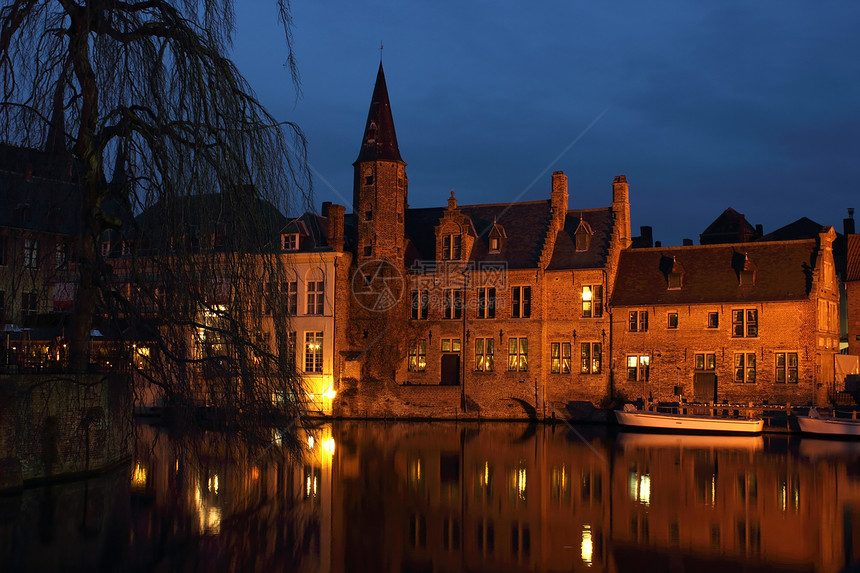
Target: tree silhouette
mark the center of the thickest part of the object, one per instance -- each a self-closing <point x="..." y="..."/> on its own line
<point x="180" y="178"/>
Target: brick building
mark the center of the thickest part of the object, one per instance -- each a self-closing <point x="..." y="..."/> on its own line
<point x="852" y="288"/>
<point x="513" y="308"/>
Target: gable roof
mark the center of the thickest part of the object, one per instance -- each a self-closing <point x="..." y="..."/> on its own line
<point x="784" y="271"/>
<point x="525" y="226"/>
<point x="729" y="227"/>
<point x="803" y="228"/>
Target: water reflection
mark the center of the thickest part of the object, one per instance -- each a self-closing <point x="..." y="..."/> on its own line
<point x="447" y="497"/>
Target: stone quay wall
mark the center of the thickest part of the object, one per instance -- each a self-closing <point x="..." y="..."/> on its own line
<point x="62" y="426"/>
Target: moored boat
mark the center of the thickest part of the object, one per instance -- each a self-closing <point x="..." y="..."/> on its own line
<point x="820" y="425"/>
<point x="630" y="417"/>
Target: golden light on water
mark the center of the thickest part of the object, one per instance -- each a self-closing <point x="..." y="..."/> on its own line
<point x="138" y="476"/>
<point x="586" y="546"/>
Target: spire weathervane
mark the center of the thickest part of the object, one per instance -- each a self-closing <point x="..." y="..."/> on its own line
<point x="380" y="51"/>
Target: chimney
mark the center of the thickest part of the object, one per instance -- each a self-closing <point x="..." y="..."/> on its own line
<point x="848" y="224"/>
<point x="558" y="199"/>
<point x="621" y="209"/>
<point x="647" y="235"/>
<point x="335" y="215"/>
<point x="687" y="242"/>
<point x="325" y="207"/>
<point x="658" y="244"/>
<point x="759" y="231"/>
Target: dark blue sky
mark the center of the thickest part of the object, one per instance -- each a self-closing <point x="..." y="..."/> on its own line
<point x="703" y="105"/>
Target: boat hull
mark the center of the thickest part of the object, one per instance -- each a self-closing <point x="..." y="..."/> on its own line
<point x="661" y="421"/>
<point x="829" y="426"/>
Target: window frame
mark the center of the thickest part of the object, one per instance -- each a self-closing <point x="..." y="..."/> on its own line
<point x="560" y="357"/>
<point x="486" y="297"/>
<point x="420" y="304"/>
<point x="452" y="308"/>
<point x="518" y="353"/>
<point x="289" y="241"/>
<point x="591" y="358"/>
<point x="640" y="369"/>
<point x="637" y="321"/>
<point x="485" y="355"/>
<point x="713" y="319"/>
<point x="708" y="361"/>
<point x="744" y="368"/>
<point x="521" y="301"/>
<point x="31" y="253"/>
<point x="592" y="302"/>
<point x="744" y="323"/>
<point x="786" y="367"/>
<point x="315" y="299"/>
<point x="417" y="357"/>
<point x="313" y="363"/>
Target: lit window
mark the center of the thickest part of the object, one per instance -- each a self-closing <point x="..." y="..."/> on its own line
<point x="745" y="367"/>
<point x="521" y="302"/>
<point x="745" y="323"/>
<point x="486" y="302"/>
<point x="673" y="320"/>
<point x="592" y="301"/>
<point x="560" y="357"/>
<point x="450" y="345"/>
<point x="518" y="354"/>
<point x="786" y="367"/>
<point x="592" y="357"/>
<point x="313" y="352"/>
<point x="292" y="297"/>
<point x="638" y="321"/>
<point x="495" y="246"/>
<point x="638" y="368"/>
<point x="706" y="362"/>
<point x="484" y="354"/>
<point x="418" y="356"/>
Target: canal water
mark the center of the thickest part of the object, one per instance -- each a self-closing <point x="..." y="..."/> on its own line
<point x="447" y="497"/>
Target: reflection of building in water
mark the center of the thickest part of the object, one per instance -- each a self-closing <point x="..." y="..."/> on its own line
<point x="506" y="498"/>
<point x="268" y="512"/>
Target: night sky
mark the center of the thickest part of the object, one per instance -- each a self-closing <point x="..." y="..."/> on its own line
<point x="753" y="105"/>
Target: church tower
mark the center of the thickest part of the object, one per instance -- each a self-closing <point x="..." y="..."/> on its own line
<point x="379" y="187"/>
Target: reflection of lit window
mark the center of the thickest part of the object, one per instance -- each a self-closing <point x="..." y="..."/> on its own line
<point x="788" y="493"/>
<point x="518" y="484"/>
<point x="415" y="474"/>
<point x="560" y="480"/>
<point x="586" y="547"/>
<point x="138" y="476"/>
<point x="639" y="487"/>
<point x="484" y="483"/>
<point x="212" y="484"/>
<point x="312" y="478"/>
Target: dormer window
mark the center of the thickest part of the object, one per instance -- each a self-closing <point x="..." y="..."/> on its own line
<point x="496" y="236"/>
<point x="674" y="280"/>
<point x="451" y="247"/>
<point x="582" y="236"/>
<point x="745" y="269"/>
<point x="290" y="242"/>
<point x="747" y="278"/>
<point x="673" y="271"/>
<point x="494" y="245"/>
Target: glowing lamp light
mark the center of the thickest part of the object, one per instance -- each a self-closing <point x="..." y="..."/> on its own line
<point x="586" y="294"/>
<point x="330" y="394"/>
<point x="310" y="442"/>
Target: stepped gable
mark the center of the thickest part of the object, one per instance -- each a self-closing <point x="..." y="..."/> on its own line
<point x="565" y="255"/>
<point x="525" y="225"/>
<point x="784" y="271"/>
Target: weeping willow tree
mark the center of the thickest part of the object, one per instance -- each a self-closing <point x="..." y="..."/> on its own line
<point x="181" y="179"/>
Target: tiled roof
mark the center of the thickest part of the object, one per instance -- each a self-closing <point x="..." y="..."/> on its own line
<point x="565" y="255"/>
<point x="783" y="272"/>
<point x="852" y="272"/>
<point x="525" y="225"/>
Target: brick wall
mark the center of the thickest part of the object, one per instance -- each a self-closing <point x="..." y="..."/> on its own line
<point x="52" y="427"/>
<point x="852" y="290"/>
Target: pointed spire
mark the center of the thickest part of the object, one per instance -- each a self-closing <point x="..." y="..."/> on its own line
<point x="56" y="140"/>
<point x="380" y="140"/>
